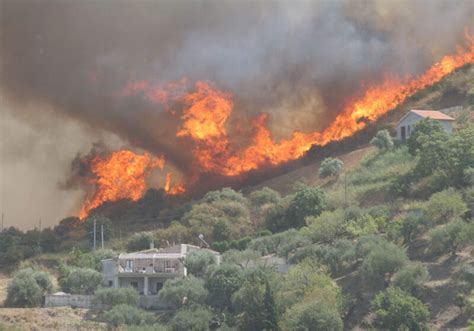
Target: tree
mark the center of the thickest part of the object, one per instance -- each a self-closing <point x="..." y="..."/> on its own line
<point x="253" y="302"/>
<point x="127" y="315"/>
<point x="451" y="237"/>
<point x="117" y="296"/>
<point x="383" y="261"/>
<point x="198" y="262"/>
<point x="264" y="196"/>
<point x="183" y="291"/>
<point x="195" y="318"/>
<point x="325" y="227"/>
<point x="222" y="282"/>
<point x="27" y="288"/>
<point x="395" y="309"/>
<point x="307" y="201"/>
<point x="330" y="167"/>
<point x="313" y="315"/>
<point x="424" y="128"/>
<point x="411" y="278"/>
<point x="445" y="206"/>
<point x="382" y="140"/>
<point x="140" y="241"/>
<point x="80" y="281"/>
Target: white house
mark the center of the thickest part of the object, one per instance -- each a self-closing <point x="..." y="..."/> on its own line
<point x="406" y="124"/>
<point x="147" y="270"/>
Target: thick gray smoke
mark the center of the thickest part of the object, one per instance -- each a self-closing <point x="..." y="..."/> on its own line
<point x="297" y="60"/>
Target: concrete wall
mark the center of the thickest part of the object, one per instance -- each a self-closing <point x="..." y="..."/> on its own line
<point x="71" y="300"/>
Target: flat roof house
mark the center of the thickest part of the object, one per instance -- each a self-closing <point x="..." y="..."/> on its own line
<point x="406" y="124"/>
<point x="147" y="270"/>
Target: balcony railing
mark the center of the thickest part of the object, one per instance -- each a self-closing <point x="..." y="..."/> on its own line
<point x="149" y="270"/>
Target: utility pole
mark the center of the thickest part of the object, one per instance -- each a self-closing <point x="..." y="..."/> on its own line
<point x="102" y="235"/>
<point x="345" y="190"/>
<point x="39" y="237"/>
<point x="2" y="222"/>
<point x="95" y="234"/>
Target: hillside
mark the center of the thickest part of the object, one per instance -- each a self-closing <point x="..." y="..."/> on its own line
<point x="387" y="242"/>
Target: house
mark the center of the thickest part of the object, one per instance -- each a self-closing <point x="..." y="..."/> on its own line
<point x="147" y="270"/>
<point x="406" y="124"/>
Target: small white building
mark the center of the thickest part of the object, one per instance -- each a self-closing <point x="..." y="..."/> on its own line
<point x="406" y="124"/>
<point x="147" y="270"/>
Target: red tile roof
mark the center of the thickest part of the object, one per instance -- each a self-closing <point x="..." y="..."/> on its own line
<point x="434" y="114"/>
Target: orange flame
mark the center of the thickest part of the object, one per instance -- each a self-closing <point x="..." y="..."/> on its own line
<point x="120" y="175"/>
<point x="209" y="109"/>
<point x="206" y="111"/>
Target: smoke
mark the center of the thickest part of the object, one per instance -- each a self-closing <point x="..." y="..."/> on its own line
<point x="297" y="60"/>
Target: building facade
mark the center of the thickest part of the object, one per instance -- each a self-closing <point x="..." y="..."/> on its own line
<point x="407" y="123"/>
<point x="147" y="270"/>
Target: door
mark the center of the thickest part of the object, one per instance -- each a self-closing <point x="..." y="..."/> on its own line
<point x="159" y="286"/>
<point x="403" y="133"/>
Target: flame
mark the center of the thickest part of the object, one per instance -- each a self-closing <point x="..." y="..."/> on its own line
<point x="205" y="114"/>
<point x="208" y="110"/>
<point x="120" y="175"/>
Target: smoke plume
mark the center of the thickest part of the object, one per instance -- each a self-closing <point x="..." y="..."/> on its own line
<point x="298" y="61"/>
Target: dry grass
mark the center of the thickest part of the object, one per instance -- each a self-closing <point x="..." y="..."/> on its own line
<point x="60" y="318"/>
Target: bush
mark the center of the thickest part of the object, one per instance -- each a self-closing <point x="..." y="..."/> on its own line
<point x="395" y="309"/>
<point x="196" y="319"/>
<point x="117" y="296"/>
<point x="27" y="288"/>
<point x="264" y="196"/>
<point x="198" y="262"/>
<point x="80" y="281"/>
<point x="445" y="206"/>
<point x="314" y="315"/>
<point x="382" y="140"/>
<point x="140" y="241"/>
<point x="383" y="261"/>
<point x="325" y="227"/>
<point x="425" y="127"/>
<point x="411" y="278"/>
<point x="307" y="201"/>
<point x="127" y="315"/>
<point x="222" y="282"/>
<point x="451" y="238"/>
<point x="180" y="291"/>
<point x="330" y="167"/>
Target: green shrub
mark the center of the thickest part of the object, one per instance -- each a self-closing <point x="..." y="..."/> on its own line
<point x="198" y="262"/>
<point x="411" y="278"/>
<point x="196" y="319"/>
<point x="445" y="206"/>
<point x="27" y="288"/>
<point x="313" y="315"/>
<point x="395" y="310"/>
<point x="383" y="260"/>
<point x="80" y="281"/>
<point x="127" y="315"/>
<point x="382" y="140"/>
<point x="451" y="237"/>
<point x="176" y="290"/>
<point x="330" y="167"/>
<point x="140" y="241"/>
<point x="117" y="296"/>
<point x="222" y="282"/>
<point x="325" y="227"/>
<point x="264" y="196"/>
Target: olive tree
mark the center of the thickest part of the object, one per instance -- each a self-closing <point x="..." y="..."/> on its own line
<point x="382" y="140"/>
<point x="80" y="281"/>
<point x="330" y="167"/>
<point x="27" y="288"/>
<point x="395" y="309"/>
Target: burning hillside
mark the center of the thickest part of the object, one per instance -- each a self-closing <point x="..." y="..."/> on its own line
<point x="263" y="82"/>
<point x="204" y="112"/>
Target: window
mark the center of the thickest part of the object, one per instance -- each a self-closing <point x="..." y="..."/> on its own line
<point x="134" y="285"/>
<point x="129" y="265"/>
<point x="159" y="286"/>
<point x="111" y="283"/>
<point x="168" y="267"/>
